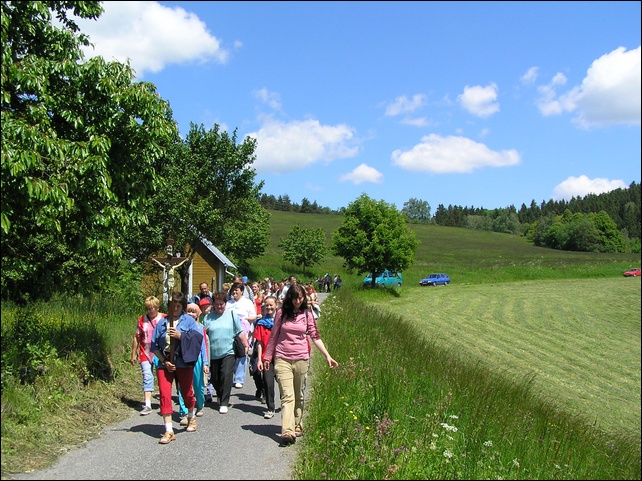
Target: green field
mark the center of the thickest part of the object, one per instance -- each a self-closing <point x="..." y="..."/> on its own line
<point x="579" y="340"/>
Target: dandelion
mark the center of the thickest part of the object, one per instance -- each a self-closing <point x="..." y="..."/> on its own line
<point x="354" y="417"/>
<point x="350" y="411"/>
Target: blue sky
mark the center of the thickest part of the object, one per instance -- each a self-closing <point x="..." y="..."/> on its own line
<point x="484" y="104"/>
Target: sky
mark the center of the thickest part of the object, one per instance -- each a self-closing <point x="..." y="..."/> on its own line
<point x="475" y="104"/>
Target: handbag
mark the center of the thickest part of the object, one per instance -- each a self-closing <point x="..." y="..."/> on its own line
<point x="239" y="348"/>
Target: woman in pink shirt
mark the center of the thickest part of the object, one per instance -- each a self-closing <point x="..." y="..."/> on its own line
<point x="288" y="350"/>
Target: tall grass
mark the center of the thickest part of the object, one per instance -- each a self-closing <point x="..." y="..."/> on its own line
<point x="403" y="407"/>
<point x="65" y="375"/>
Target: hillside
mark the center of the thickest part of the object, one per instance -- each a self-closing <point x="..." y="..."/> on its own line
<point x="468" y="256"/>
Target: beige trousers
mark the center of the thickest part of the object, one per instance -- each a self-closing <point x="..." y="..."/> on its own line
<point x="291" y="378"/>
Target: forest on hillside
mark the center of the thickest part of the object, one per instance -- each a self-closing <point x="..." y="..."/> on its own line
<point x="608" y="222"/>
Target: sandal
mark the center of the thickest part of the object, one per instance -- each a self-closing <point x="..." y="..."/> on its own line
<point x="167" y="438"/>
<point x="191" y="425"/>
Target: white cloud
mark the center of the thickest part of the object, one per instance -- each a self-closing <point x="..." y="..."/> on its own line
<point x="609" y="94"/>
<point x="530" y="76"/>
<point x="444" y="155"/>
<point x="416" y="122"/>
<point x="363" y="173"/>
<point x="272" y="99"/>
<point x="403" y="105"/>
<point x="480" y="101"/>
<point x="288" y="147"/>
<point x="151" y="35"/>
<point x="547" y="102"/>
<point x="582" y="185"/>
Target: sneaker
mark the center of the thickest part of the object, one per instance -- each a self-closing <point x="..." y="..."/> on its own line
<point x="263" y="400"/>
<point x="146" y="410"/>
<point x="258" y="394"/>
<point x="183" y="421"/>
<point x="167" y="438"/>
<point x="191" y="425"/>
<point x="268" y="414"/>
<point x="238" y="385"/>
<point x="223" y="410"/>
<point x="199" y="412"/>
<point x="298" y="431"/>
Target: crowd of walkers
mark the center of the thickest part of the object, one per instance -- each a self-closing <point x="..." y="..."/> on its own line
<point x="192" y="346"/>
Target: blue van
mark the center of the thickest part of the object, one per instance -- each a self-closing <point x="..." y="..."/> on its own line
<point x="385" y="278"/>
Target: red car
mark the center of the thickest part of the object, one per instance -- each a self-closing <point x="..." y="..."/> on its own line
<point x="633" y="272"/>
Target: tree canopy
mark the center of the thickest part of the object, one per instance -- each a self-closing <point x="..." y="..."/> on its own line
<point x="80" y="146"/>
<point x="374" y="237"/>
<point x="304" y="247"/>
<point x="209" y="191"/>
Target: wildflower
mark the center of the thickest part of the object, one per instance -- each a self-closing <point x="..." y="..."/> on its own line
<point x="354" y="417"/>
<point x="516" y="463"/>
<point x="449" y="428"/>
<point x="488" y="444"/>
<point x="367" y="428"/>
<point x="432" y="446"/>
<point x="454" y="416"/>
<point x="448" y="454"/>
<point x="350" y="411"/>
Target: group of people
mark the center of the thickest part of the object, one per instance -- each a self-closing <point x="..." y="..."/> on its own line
<point x="193" y="345"/>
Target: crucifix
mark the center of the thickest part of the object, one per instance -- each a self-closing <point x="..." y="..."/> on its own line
<point x="170" y="266"/>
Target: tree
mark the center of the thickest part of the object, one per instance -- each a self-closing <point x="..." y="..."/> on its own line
<point x="417" y="211"/>
<point x="374" y="237"/>
<point x="80" y="146"/>
<point x="304" y="247"/>
<point x="210" y="192"/>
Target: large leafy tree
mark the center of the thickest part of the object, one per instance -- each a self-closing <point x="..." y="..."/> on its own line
<point x="374" y="237"/>
<point x="304" y="247"/>
<point x="80" y="146"/>
<point x="209" y="191"/>
<point x="417" y="211"/>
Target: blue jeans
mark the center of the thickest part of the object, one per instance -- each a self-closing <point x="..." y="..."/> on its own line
<point x="240" y="367"/>
<point x="148" y="376"/>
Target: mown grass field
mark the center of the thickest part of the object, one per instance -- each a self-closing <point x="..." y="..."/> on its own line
<point x="577" y="340"/>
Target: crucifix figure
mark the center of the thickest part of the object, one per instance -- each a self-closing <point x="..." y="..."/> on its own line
<point x="171" y="276"/>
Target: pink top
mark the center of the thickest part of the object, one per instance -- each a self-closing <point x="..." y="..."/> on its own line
<point x="144" y="331"/>
<point x="289" y="337"/>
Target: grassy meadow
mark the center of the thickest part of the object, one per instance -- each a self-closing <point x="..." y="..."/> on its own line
<point x="526" y="367"/>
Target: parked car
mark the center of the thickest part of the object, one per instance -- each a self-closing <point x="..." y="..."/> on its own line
<point x="439" y="279"/>
<point x="385" y="278"/>
<point x="633" y="272"/>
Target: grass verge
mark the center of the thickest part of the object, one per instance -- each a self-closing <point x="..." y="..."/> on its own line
<point x="405" y="407"/>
